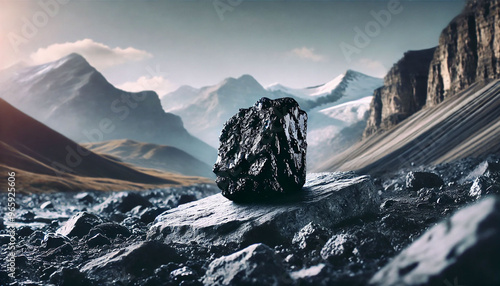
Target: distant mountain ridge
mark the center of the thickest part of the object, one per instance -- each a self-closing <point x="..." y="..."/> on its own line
<point x="45" y="160"/>
<point x="205" y="110"/>
<point x="73" y="98"/>
<point x="337" y="91"/>
<point x="210" y="107"/>
<point x="153" y="156"/>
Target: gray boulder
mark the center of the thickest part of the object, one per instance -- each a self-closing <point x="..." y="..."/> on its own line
<point x="255" y="265"/>
<point x="79" y="225"/>
<point x="135" y="259"/>
<point x="327" y="199"/>
<point x="417" y="180"/>
<point x="463" y="248"/>
<point x="312" y="236"/>
<point x="262" y="151"/>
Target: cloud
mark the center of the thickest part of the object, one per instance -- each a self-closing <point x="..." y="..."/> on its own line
<point x="99" y="55"/>
<point x="159" y="84"/>
<point x="370" y="67"/>
<point x="307" y="54"/>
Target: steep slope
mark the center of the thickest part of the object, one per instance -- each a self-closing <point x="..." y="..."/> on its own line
<point x="468" y="51"/>
<point x="465" y="124"/>
<point x="73" y="98"/>
<point x="153" y="156"/>
<point x="46" y="160"/>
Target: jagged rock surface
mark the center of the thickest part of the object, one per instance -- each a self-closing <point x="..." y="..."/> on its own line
<point x="262" y="151"/>
<point x="468" y="51"/>
<point x="134" y="259"/>
<point x="79" y="225"/>
<point x="417" y="180"/>
<point x="464" y="248"/>
<point x="327" y="199"/>
<point x="404" y="91"/>
<point x="255" y="265"/>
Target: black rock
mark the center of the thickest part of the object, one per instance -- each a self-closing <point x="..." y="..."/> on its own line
<point x="69" y="277"/>
<point x="371" y="244"/>
<point x="262" y="151"/>
<point x="36" y="238"/>
<point x="255" y="265"/>
<point x="110" y="230"/>
<point x="98" y="240"/>
<point x="417" y="180"/>
<point x="139" y="258"/>
<point x="58" y="252"/>
<point x="5" y="239"/>
<point x="150" y="214"/>
<point x="463" y="248"/>
<point x="123" y="202"/>
<point x="53" y="240"/>
<point x="79" y="225"/>
<point x="24" y="231"/>
<point x="46" y="272"/>
<point x="338" y="247"/>
<point x="312" y="236"/>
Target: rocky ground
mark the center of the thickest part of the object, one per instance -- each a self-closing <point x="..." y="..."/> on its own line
<point x="416" y="228"/>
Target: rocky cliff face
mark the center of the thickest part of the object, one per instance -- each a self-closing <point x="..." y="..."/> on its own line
<point x="404" y="91"/>
<point x="468" y="51"/>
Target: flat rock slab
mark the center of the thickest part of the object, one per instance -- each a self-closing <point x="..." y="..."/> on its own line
<point x="327" y="199"/>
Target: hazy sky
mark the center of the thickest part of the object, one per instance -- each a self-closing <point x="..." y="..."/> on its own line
<point x="163" y="44"/>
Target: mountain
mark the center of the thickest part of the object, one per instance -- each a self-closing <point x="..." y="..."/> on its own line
<point x="466" y="124"/>
<point x="43" y="159"/>
<point x="334" y="125"/>
<point x="74" y="99"/>
<point x="147" y="155"/>
<point x="349" y="86"/>
<point x="308" y="92"/>
<point x="335" y="105"/>
<point x="436" y="105"/>
<point x="208" y="108"/>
